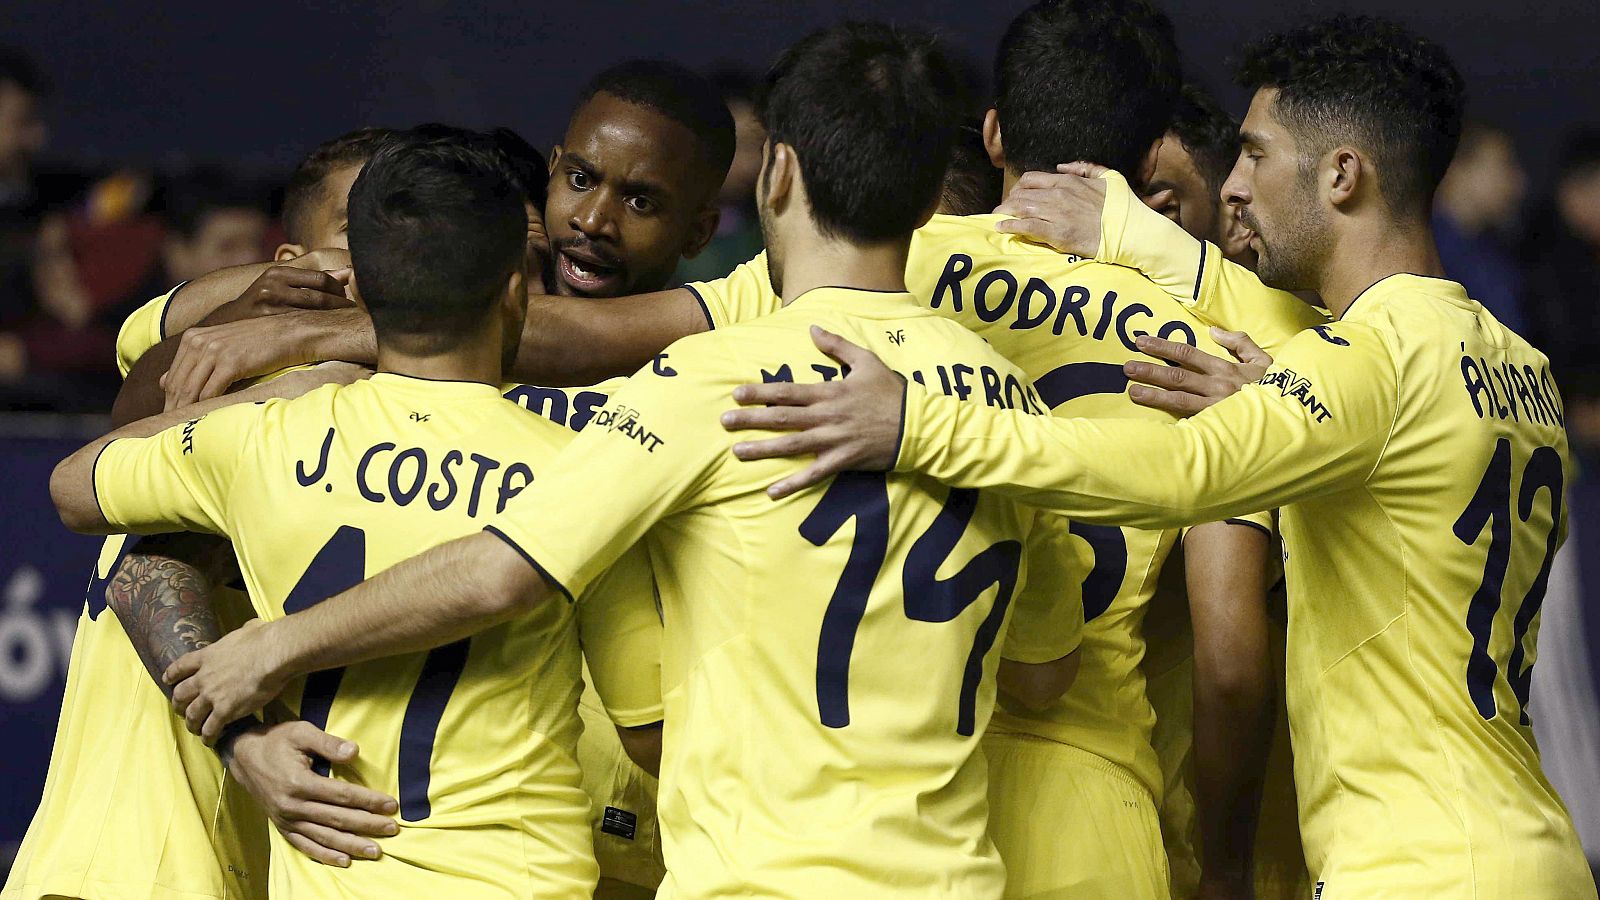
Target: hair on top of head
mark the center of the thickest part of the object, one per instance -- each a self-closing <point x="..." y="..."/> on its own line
<point x="678" y="93"/>
<point x="437" y="223"/>
<point x="870" y="110"/>
<point x="188" y="198"/>
<point x="1210" y="135"/>
<point x="1092" y="80"/>
<point x="1370" y="82"/>
<point x="526" y="161"/>
<point x="305" y="188"/>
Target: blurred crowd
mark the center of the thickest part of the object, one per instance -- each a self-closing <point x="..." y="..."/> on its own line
<point x="80" y="248"/>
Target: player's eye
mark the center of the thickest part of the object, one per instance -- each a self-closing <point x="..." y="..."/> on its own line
<point x="641" y="204"/>
<point x="578" y="180"/>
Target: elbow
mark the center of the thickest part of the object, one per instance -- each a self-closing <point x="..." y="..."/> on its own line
<point x="1038" y="687"/>
<point x="512" y="587"/>
<point x="78" y="512"/>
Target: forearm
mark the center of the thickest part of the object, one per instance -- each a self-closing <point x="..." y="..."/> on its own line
<point x="161" y="595"/>
<point x="1225" y="566"/>
<point x="204" y="295"/>
<point x="72" y="484"/>
<point x="450" y="592"/>
<point x="568" y="341"/>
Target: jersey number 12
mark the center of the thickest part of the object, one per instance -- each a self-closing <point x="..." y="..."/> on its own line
<point x="1491" y="506"/>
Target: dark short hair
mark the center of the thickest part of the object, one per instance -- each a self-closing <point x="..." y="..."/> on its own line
<point x="1371" y="82"/>
<point x="305" y="188"/>
<point x="18" y="68"/>
<point x="188" y="198"/>
<point x="436" y="224"/>
<point x="533" y="174"/>
<point x="1092" y="80"/>
<point x="678" y="93"/>
<point x="867" y="108"/>
<point x="1210" y="135"/>
<point x="972" y="185"/>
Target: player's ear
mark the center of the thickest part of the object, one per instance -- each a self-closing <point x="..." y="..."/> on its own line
<point x="353" y="290"/>
<point x="286" y="252"/>
<point x="991" y="138"/>
<point x="1344" y="170"/>
<point x="702" y="230"/>
<point x="1147" y="166"/>
<point x="555" y="158"/>
<point x="782" y="170"/>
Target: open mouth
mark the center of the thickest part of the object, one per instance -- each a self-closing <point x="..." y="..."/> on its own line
<point x="585" y="275"/>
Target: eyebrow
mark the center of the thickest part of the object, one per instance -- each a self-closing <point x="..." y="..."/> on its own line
<point x="1250" y="137"/>
<point x="1156" y="187"/>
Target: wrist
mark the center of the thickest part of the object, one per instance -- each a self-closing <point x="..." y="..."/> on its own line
<point x="232" y="733"/>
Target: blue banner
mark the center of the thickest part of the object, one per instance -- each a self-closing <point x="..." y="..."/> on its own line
<point x="44" y="570"/>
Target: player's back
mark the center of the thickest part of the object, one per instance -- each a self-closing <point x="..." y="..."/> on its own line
<point x="1070" y="324"/>
<point x="476" y="739"/>
<point x="829" y="658"/>
<point x="1412" y="608"/>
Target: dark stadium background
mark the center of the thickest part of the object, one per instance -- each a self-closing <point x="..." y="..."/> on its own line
<point x="254" y="86"/>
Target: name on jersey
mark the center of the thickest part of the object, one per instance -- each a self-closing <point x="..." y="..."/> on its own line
<point x="1033" y="303"/>
<point x="958" y="380"/>
<point x="386" y="473"/>
<point x="1291" y="384"/>
<point x="1506" y="390"/>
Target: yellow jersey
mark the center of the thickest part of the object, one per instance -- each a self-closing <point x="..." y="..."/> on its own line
<point x="1418" y="451"/>
<point x="133" y="804"/>
<point x="829" y="659"/>
<point x="477" y="738"/>
<point x="1069" y="324"/>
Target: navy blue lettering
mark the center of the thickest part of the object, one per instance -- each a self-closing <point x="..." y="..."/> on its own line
<point x="960" y="371"/>
<point x="1127" y="313"/>
<point x="361" y="471"/>
<point x="308" y="479"/>
<point x="507" y="491"/>
<point x="980" y="295"/>
<point x="991" y="387"/>
<point x="1106" y="303"/>
<point x="1472" y="380"/>
<point x="404" y="496"/>
<point x="1073" y="300"/>
<point x="485" y="466"/>
<point x="957" y="267"/>
<point x="1175" y="327"/>
<point x="1025" y="317"/>
<point x="436" y="501"/>
<point x="783" y="374"/>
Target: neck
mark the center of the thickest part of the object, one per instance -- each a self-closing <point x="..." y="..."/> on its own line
<point x="816" y="261"/>
<point x="1361" y="259"/>
<point x="479" y="359"/>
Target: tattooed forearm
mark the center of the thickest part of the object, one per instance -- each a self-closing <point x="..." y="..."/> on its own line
<point x="161" y="595"/>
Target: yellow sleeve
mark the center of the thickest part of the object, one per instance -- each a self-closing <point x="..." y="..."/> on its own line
<point x="1264" y="522"/>
<point x="648" y="454"/>
<point x="1195" y="273"/>
<point x="746" y="293"/>
<point x="179" y="479"/>
<point x="1047" y="615"/>
<point x="144" y="329"/>
<point x="619" y="625"/>
<point x="1317" y="422"/>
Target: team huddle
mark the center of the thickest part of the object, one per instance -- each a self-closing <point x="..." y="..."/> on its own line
<point x="966" y="542"/>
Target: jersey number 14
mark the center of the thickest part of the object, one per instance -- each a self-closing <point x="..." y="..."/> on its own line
<point x="864" y="496"/>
